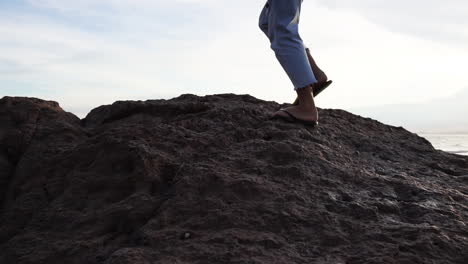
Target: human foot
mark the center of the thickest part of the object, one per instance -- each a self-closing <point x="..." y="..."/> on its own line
<point x="299" y="114"/>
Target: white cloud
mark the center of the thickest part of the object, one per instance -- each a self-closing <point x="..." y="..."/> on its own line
<point x="437" y="20"/>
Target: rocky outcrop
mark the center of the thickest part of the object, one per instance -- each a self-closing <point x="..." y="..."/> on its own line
<point x="212" y="180"/>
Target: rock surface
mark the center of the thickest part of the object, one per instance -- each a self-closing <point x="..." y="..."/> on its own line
<point x="212" y="180"/>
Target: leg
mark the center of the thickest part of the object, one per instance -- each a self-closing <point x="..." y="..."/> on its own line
<point x="321" y="76"/>
<point x="263" y="20"/>
<point x="283" y="32"/>
<point x="263" y="24"/>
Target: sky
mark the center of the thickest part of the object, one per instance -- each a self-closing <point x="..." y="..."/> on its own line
<point x="385" y="57"/>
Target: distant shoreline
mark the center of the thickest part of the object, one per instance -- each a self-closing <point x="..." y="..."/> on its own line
<point x="461" y="152"/>
<point x="444" y="133"/>
<point x="456" y="143"/>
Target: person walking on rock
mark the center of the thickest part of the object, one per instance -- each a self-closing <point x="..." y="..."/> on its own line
<point x="279" y="20"/>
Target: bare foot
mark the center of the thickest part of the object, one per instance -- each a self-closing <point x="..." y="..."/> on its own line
<point x="300" y="112"/>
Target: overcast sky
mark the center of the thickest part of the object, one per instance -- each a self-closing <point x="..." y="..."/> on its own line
<point x="87" y="53"/>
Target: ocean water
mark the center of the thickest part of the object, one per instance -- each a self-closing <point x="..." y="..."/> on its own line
<point x="454" y="143"/>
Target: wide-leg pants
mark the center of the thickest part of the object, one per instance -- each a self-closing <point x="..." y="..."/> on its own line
<point x="279" y="20"/>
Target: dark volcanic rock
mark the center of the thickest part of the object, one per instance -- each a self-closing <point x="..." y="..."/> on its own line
<point x="211" y="180"/>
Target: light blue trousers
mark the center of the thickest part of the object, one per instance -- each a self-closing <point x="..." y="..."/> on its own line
<point x="279" y="20"/>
